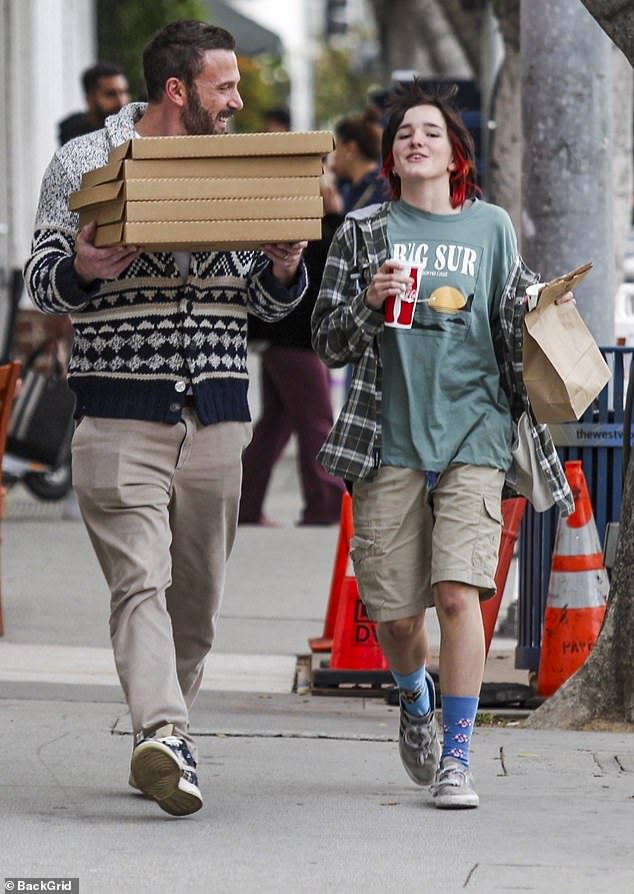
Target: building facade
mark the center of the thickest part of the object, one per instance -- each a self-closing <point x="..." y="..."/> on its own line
<point x="44" y="47"/>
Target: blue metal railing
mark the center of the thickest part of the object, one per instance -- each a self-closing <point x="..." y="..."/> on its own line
<point x="597" y="440"/>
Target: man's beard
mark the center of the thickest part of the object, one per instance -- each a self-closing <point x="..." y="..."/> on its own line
<point x="196" y="120"/>
<point x="101" y="114"/>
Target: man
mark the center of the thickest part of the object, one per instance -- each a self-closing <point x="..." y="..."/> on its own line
<point x="106" y="91"/>
<point x="159" y="372"/>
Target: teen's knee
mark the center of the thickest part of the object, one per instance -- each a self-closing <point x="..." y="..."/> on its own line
<point x="453" y="599"/>
<point x="402" y="629"/>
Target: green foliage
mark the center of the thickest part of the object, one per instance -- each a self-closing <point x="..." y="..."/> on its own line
<point x="124" y="28"/>
<point x="340" y="88"/>
<point x="264" y="84"/>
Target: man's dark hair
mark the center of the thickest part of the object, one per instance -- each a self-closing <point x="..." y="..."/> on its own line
<point x="91" y="77"/>
<point x="177" y="51"/>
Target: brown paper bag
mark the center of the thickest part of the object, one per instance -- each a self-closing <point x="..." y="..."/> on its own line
<point x="563" y="367"/>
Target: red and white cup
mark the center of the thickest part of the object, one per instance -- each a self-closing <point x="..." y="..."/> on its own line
<point x="399" y="309"/>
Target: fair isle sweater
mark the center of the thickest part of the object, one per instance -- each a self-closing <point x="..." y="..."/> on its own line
<point x="146" y="339"/>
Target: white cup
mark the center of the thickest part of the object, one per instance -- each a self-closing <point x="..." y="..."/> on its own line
<point x="533" y="294"/>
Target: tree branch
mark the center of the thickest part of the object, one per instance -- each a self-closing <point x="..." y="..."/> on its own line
<point x="467" y="25"/>
<point x="445" y="43"/>
<point x="616" y="17"/>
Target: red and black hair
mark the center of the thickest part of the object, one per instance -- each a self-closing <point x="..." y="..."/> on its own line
<point x="462" y="185"/>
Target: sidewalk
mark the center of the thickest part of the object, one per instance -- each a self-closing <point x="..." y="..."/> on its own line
<point x="302" y="793"/>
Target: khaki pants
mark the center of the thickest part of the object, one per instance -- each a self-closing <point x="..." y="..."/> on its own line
<point x="407" y="538"/>
<point x="160" y="503"/>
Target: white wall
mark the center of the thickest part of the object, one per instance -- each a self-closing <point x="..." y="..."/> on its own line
<point x="50" y="43"/>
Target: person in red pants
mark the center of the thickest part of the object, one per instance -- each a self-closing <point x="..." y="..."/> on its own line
<point x="295" y="396"/>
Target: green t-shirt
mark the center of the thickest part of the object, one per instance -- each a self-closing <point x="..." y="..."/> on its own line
<point x="443" y="401"/>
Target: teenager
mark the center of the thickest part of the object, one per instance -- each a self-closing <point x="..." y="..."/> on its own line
<point x="424" y="438"/>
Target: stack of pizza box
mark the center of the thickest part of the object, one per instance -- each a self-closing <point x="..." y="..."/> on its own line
<point x="226" y="191"/>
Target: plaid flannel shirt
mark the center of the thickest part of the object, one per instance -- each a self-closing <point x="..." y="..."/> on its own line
<point x="346" y="331"/>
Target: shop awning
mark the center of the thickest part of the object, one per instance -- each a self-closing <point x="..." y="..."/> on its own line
<point x="251" y="38"/>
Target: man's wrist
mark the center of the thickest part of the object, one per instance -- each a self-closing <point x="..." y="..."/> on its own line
<point x="84" y="281"/>
<point x="285" y="277"/>
<point x="293" y="283"/>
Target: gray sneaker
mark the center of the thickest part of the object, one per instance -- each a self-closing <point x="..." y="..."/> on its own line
<point x="453" y="787"/>
<point x="163" y="768"/>
<point x="418" y="742"/>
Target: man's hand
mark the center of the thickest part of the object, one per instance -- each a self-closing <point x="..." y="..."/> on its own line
<point x="286" y="257"/>
<point x="100" y="263"/>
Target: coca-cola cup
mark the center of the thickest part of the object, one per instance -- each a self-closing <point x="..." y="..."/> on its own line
<point x="399" y="309"/>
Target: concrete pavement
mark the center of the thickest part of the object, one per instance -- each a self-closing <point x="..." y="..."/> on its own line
<point x="302" y="793"/>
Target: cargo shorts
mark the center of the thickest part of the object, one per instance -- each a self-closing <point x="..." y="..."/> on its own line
<point x="407" y="537"/>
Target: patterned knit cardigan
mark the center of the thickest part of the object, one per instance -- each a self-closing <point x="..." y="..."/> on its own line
<point x="143" y="340"/>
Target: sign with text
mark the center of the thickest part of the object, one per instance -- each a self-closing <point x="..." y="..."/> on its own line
<point x="588" y="434"/>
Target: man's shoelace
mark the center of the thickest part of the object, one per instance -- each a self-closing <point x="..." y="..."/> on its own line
<point x="178" y="745"/>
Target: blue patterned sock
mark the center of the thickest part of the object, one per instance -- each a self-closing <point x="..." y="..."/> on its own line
<point x="458" y="720"/>
<point x="414" y="692"/>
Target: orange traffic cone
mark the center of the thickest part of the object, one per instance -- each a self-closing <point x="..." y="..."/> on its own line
<point x="355" y="645"/>
<point x="340" y="569"/>
<point x="512" y="513"/>
<point x="356" y="657"/>
<point x="577" y="590"/>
